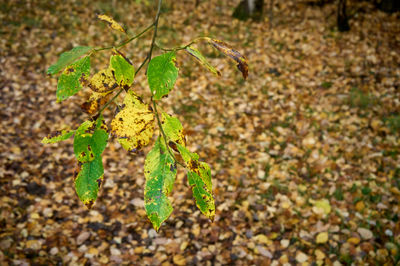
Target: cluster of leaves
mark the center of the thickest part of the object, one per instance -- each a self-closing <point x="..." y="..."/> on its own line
<point x="133" y="125"/>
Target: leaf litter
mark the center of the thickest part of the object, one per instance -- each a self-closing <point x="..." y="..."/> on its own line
<point x="304" y="154"/>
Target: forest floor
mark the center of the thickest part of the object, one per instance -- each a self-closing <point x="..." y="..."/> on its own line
<point x="304" y="154"/>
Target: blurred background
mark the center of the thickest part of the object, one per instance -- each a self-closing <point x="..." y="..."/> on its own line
<point x="304" y="153"/>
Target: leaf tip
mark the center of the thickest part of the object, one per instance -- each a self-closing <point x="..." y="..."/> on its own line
<point x="89" y="204"/>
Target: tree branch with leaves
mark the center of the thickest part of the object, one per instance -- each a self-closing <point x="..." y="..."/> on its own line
<point x="133" y="125"/>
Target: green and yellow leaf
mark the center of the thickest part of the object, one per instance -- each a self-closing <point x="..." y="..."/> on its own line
<point x="68" y="58"/>
<point x="160" y="173"/>
<point x="134" y="124"/>
<point x="123" y="71"/>
<point x="58" y="136"/>
<point x="111" y="22"/>
<point x="88" y="180"/>
<point x="173" y="129"/>
<point x="70" y="81"/>
<point x="199" y="177"/>
<point x="162" y="74"/>
<point x="90" y="140"/>
<point x="227" y="50"/>
<point x="202" y="60"/>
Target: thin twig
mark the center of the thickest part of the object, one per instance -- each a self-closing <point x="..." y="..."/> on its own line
<point x="153" y="43"/>
<point x="148" y="57"/>
<point x="127" y="41"/>
<point x="183" y="47"/>
<point x="110" y="101"/>
<point x="155" y="24"/>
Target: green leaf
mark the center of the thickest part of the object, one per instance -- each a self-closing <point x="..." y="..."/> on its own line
<point x="58" y="136"/>
<point x="124" y="73"/>
<point x="70" y="80"/>
<point x="134" y="124"/>
<point x="68" y="58"/>
<point x="197" y="54"/>
<point x="162" y="74"/>
<point x="88" y="145"/>
<point x="88" y="181"/>
<point x="160" y="173"/>
<point x="199" y="177"/>
<point x="173" y="128"/>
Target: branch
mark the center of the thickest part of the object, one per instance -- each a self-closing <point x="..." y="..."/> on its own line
<point x="183" y="47"/>
<point x="155" y="29"/>
<point x="127" y="41"/>
<point x="154" y="102"/>
<point x="148" y="57"/>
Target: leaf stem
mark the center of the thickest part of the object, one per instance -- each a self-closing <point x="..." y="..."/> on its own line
<point x="183" y="47"/>
<point x="153" y="43"/>
<point x="126" y="41"/>
<point x="110" y="101"/>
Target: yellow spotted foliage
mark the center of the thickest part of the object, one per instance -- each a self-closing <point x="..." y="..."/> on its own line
<point x="134" y="124"/>
<point x="103" y="81"/>
<point x="111" y="22"/>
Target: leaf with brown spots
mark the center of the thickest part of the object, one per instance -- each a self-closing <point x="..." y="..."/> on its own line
<point x="122" y="70"/>
<point x="134" y="124"/>
<point x="90" y="140"/>
<point x="160" y="173"/>
<point x="103" y="81"/>
<point x="227" y="50"/>
<point x="95" y="101"/>
<point x="58" y="136"/>
<point x="70" y="81"/>
<point x="173" y="128"/>
<point x="88" y="180"/>
<point x="67" y="58"/>
<point x="111" y="22"/>
<point x="90" y="107"/>
<point x="199" y="178"/>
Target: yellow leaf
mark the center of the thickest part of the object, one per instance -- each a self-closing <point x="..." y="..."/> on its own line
<point x="103" y="81"/>
<point x="319" y="254"/>
<point x="302" y="188"/>
<point x="322" y="238"/>
<point x="353" y="240"/>
<point x="111" y="22"/>
<point x="262" y="239"/>
<point x="134" y="124"/>
<point x="96" y="100"/>
<point x="360" y="206"/>
<point x="323" y="204"/>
